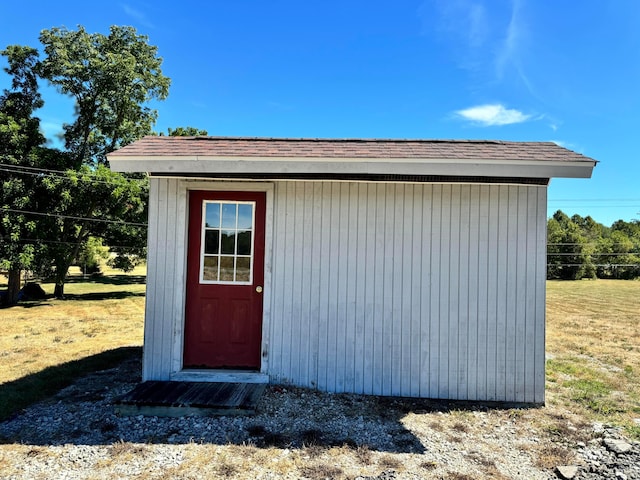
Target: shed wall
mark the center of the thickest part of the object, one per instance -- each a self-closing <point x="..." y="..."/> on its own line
<point x="415" y="290"/>
<point x="430" y="290"/>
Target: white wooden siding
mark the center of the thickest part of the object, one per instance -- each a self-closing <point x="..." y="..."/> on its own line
<point x="165" y="277"/>
<point x="410" y="289"/>
<point x="430" y="290"/>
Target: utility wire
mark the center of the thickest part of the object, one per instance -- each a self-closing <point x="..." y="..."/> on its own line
<point x="61" y="174"/>
<point x="73" y="217"/>
<point x="39" y="240"/>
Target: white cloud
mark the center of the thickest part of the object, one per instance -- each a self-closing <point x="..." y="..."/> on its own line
<point x="493" y="115"/>
<point x="137" y="15"/>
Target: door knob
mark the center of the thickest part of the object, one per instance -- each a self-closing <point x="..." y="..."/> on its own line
<point x="259" y="289"/>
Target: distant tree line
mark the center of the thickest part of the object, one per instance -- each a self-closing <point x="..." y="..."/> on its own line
<point x="579" y="247"/>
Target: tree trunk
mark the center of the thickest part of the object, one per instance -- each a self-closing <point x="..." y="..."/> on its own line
<point x="13" y="287"/>
<point x="58" y="292"/>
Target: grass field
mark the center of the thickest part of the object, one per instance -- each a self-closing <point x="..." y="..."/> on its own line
<point x="45" y="345"/>
<point x="593" y="350"/>
<point x="593" y="344"/>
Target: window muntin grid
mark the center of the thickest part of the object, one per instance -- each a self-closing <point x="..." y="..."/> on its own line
<point x="227" y="242"/>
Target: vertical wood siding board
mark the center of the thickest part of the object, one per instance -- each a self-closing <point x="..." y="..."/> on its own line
<point x="379" y="314"/>
<point x="408" y="223"/>
<point x="276" y="362"/>
<point x="304" y="301"/>
<point x="472" y="292"/>
<point x="464" y="269"/>
<point x="454" y="310"/>
<point x="482" y="368"/>
<point x="334" y="274"/>
<point x="360" y="280"/>
<point x="387" y="291"/>
<point x="154" y="291"/>
<point x="300" y="325"/>
<point x="169" y="278"/>
<point x="342" y="270"/>
<point x="293" y="280"/>
<point x="152" y="280"/>
<point x="179" y="293"/>
<point x="512" y="282"/>
<point x="522" y="221"/>
<point x="509" y="310"/>
<point x="315" y="283"/>
<point x="541" y="272"/>
<point x="323" y="301"/>
<point x="291" y="273"/>
<point x="425" y="291"/>
<point x="281" y="295"/>
<point x="445" y="294"/>
<point x="504" y="292"/>
<point x="435" y="354"/>
<point x="370" y="281"/>
<point x="530" y="309"/>
<point x="276" y="312"/>
<point x="350" y="196"/>
<point x="492" y="292"/>
<point x="267" y="304"/>
<point x="397" y="325"/>
<point x="160" y="322"/>
<point x="415" y="335"/>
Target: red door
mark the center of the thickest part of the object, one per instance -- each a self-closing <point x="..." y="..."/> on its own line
<point x="225" y="273"/>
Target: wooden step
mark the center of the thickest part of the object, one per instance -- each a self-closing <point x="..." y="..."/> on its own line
<point x="177" y="399"/>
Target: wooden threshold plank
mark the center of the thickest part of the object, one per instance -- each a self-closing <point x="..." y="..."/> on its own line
<point x="172" y="398"/>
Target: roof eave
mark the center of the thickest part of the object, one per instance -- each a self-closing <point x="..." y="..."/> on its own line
<point x="199" y="165"/>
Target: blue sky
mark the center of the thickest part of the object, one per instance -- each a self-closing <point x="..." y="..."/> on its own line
<point x="534" y="70"/>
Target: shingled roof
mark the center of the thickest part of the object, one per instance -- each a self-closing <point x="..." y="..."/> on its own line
<point x="157" y="146"/>
<point x="349" y="159"/>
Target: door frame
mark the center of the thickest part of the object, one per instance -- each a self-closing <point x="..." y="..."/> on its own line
<point x="178" y="372"/>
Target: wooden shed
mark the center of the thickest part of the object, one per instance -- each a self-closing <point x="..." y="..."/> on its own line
<point x="388" y="267"/>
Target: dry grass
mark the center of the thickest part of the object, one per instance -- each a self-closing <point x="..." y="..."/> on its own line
<point x="98" y="315"/>
<point x="45" y="345"/>
<point x="593" y="341"/>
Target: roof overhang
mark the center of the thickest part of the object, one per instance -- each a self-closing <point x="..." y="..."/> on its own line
<point x="334" y="167"/>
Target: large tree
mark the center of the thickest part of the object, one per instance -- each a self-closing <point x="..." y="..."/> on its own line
<point x="20" y="146"/>
<point x="112" y="78"/>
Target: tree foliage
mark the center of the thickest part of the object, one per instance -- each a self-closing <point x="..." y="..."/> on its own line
<point x="20" y="145"/>
<point x="50" y="218"/>
<point x="579" y="247"/>
<point x="111" y="78"/>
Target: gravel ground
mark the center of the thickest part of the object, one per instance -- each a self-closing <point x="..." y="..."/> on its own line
<point x="297" y="433"/>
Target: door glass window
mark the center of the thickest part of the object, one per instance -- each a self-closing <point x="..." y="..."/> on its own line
<point x="227" y="242"/>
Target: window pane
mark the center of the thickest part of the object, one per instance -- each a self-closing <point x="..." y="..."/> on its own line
<point x="211" y="241"/>
<point x="229" y="215"/>
<point x="245" y="216"/>
<point x="226" y="269"/>
<point x="244" y="243"/>
<point x="228" y="242"/>
<point x="210" y="268"/>
<point x="243" y="269"/>
<point x="212" y="215"/>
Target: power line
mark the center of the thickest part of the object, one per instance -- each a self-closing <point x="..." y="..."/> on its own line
<point x="71" y="217"/>
<point x="39" y="240"/>
<point x="61" y="174"/>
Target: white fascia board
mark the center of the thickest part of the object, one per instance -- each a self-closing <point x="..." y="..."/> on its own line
<point x="351" y="166"/>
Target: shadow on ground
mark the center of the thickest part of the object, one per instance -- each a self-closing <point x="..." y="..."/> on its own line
<point x="108" y="279"/>
<point x="288" y="417"/>
<point x="103" y="296"/>
<point x="23" y="392"/>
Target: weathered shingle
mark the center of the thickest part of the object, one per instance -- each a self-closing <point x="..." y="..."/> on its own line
<point x="155" y="146"/>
